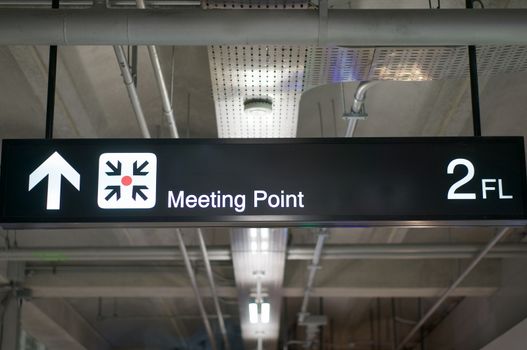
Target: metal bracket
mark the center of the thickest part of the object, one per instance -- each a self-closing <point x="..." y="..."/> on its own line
<point x="360" y="115"/>
<point x="314" y="267"/>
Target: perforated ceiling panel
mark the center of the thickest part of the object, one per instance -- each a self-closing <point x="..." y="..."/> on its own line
<point x="241" y="73"/>
<point x="331" y="65"/>
<point x="336" y="64"/>
<point x="282" y="73"/>
<point x="414" y="64"/>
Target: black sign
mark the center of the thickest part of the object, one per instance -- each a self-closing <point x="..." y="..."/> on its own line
<point x="264" y="182"/>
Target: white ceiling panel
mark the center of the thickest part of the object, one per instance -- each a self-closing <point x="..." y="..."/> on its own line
<point x="240" y="73"/>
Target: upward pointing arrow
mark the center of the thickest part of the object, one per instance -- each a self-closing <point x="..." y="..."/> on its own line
<point x="54" y="168"/>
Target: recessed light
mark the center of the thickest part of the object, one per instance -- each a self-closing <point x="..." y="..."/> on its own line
<point x="258" y="107"/>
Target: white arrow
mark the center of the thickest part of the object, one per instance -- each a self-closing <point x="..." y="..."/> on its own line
<point x="54" y="168"/>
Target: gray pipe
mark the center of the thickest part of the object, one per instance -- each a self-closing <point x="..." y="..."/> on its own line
<point x="206" y="27"/>
<point x="195" y="287"/>
<point x="156" y="65"/>
<point x="313" y="268"/>
<point x="453" y="286"/>
<point x="132" y="92"/>
<point x="86" y="3"/>
<point x="358" y="103"/>
<point x="360" y="95"/>
<point x="346" y="252"/>
<point x="213" y="290"/>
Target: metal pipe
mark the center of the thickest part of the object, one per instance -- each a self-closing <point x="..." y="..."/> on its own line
<point x="213" y="290"/>
<point x="474" y="85"/>
<point x="195" y="287"/>
<point x="358" y="103"/>
<point x="313" y="268"/>
<point x="360" y="95"/>
<point x="88" y="3"/>
<point x="160" y="317"/>
<point x="222" y="253"/>
<point x="167" y="106"/>
<point x="52" y="81"/>
<point x="204" y="27"/>
<point x="452" y="287"/>
<point x="157" y="3"/>
<point x="132" y="92"/>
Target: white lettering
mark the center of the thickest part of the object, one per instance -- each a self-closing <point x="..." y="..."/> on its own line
<point x="485" y="188"/>
<point x="172" y="203"/>
<point x="501" y="195"/>
<point x="191" y="200"/>
<point x="282" y="200"/>
<point x="212" y="200"/>
<point x="239" y="202"/>
<point x="203" y="201"/>
<point x="300" y="199"/>
<point x="259" y="196"/>
<point x="274" y="201"/>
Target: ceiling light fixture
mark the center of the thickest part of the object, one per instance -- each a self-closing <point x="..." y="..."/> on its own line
<point x="265" y="314"/>
<point x="259" y="312"/>
<point x="258" y="107"/>
<point x="253" y="313"/>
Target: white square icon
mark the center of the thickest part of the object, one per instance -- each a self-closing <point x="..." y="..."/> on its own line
<point x="127" y="181"/>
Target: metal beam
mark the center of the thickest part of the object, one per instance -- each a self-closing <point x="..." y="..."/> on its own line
<point x="424" y="278"/>
<point x="341" y="252"/>
<point x="205" y="27"/>
<point x="231" y="292"/>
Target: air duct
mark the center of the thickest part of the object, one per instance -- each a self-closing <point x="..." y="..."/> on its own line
<point x="205" y="27"/>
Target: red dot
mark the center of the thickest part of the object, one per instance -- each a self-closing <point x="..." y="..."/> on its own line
<point x="126" y="180"/>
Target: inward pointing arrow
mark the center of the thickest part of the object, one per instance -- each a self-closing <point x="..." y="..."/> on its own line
<point x="138" y="171"/>
<point x="114" y="190"/>
<point x="116" y="170"/>
<point x="138" y="190"/>
<point x="54" y="168"/>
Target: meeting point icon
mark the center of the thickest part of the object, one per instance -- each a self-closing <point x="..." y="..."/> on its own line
<point x="127" y="181"/>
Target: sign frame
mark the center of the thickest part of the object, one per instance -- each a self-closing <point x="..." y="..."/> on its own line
<point x="259" y="220"/>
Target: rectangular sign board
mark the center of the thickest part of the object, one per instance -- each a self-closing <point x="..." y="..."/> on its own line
<point x="263" y="182"/>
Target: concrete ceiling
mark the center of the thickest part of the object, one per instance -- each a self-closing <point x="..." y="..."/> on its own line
<point x="92" y="102"/>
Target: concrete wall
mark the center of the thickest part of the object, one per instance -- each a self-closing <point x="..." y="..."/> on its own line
<point x="514" y="339"/>
<point x="476" y="322"/>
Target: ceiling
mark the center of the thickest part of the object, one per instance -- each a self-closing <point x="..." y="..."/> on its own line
<point x="149" y="304"/>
